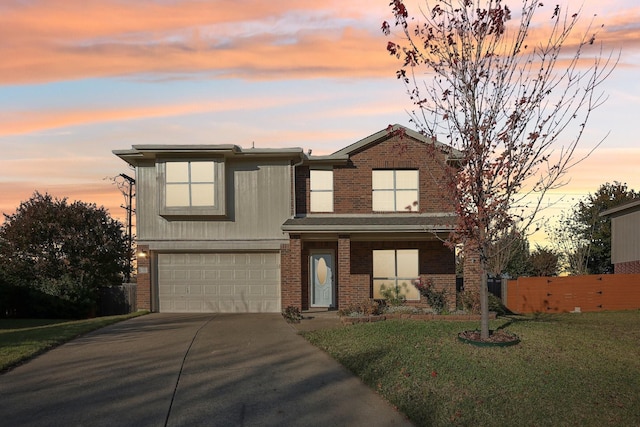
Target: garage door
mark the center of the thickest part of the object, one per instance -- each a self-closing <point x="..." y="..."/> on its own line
<point x="219" y="283"/>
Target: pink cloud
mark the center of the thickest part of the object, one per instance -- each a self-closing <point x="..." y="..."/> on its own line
<point x="23" y="122"/>
<point x="58" y="40"/>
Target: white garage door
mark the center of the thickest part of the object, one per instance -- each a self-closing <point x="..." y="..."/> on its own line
<point x="219" y="283"/>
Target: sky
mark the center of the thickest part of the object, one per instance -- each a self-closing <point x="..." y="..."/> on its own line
<point x="79" y="79"/>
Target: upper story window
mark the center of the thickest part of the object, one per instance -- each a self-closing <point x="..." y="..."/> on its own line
<point x="321" y="190"/>
<point x="190" y="184"/>
<point x="395" y="190"/>
<point x="192" y="188"/>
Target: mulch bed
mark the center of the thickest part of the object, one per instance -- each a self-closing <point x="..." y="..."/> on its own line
<point x="453" y="317"/>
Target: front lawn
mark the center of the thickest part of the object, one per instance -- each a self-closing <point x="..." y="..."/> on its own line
<point x="22" y="339"/>
<point x="569" y="369"/>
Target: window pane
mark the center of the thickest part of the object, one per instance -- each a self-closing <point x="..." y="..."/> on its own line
<point x="202" y="172"/>
<point x="407" y="201"/>
<point x="202" y="195"/>
<point x="384" y="264"/>
<point x="177" y="195"/>
<point x="407" y="263"/>
<point x="377" y="286"/>
<point x="382" y="179"/>
<point x="407" y="289"/>
<point x="177" y="171"/>
<point x="382" y="201"/>
<point x="407" y="179"/>
<point x="322" y="201"/>
<point x="321" y="180"/>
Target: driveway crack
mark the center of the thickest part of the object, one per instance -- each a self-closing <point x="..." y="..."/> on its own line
<point x="184" y="359"/>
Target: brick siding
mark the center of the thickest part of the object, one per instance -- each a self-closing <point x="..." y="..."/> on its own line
<point x="143" y="292"/>
<point x="631" y="267"/>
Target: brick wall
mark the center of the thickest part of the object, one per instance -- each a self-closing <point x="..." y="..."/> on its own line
<point x="631" y="267"/>
<point x="290" y="273"/>
<point x="435" y="261"/>
<point x="143" y="293"/>
<point x="354" y="265"/>
<point x="352" y="183"/>
<point x="472" y="271"/>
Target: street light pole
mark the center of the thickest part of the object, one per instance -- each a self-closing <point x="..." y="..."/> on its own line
<point x="129" y="209"/>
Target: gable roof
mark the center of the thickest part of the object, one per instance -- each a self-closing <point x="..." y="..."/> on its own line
<point x="390" y="132"/>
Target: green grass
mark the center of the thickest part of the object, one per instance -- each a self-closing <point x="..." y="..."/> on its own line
<point x="22" y="339"/>
<point x="569" y="370"/>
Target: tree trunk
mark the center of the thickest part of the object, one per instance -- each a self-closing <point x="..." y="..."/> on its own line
<point x="484" y="305"/>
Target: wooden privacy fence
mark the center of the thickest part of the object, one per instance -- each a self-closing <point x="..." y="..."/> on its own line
<point x="573" y="293"/>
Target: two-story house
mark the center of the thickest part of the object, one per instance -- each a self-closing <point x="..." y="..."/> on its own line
<point x="221" y="228"/>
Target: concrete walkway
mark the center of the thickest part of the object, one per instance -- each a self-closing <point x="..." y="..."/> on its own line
<point x="190" y="370"/>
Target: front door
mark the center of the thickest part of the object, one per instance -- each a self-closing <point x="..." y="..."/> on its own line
<point x="321" y="269"/>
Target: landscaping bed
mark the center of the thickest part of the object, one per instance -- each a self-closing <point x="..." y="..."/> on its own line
<point x="350" y="320"/>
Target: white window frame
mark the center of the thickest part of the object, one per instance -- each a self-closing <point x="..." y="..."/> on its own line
<point x="394" y="189"/>
<point x="321" y="187"/>
<point x="192" y="207"/>
<point x="391" y="275"/>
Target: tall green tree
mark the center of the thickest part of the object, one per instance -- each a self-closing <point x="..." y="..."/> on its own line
<point x="483" y="86"/>
<point x="64" y="250"/>
<point x="583" y="237"/>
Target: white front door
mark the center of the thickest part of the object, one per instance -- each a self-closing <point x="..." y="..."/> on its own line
<point x="321" y="272"/>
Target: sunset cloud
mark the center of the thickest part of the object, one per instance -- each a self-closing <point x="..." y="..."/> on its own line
<point x="55" y="40"/>
<point x="59" y="40"/>
<point x="23" y="122"/>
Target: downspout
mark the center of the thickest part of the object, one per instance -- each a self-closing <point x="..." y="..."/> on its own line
<point x="294" y="195"/>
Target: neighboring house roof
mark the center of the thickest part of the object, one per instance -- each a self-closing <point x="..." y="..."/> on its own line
<point x="145" y="153"/>
<point x="622" y="209"/>
<point x="374" y="223"/>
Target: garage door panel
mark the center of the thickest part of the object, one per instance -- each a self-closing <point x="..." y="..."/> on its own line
<point x="220" y="282"/>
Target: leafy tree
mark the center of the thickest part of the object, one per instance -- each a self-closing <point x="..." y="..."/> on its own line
<point x="583" y="237"/>
<point x="501" y="101"/>
<point x="571" y="247"/>
<point x="509" y="254"/>
<point x="543" y="262"/>
<point x="64" y="251"/>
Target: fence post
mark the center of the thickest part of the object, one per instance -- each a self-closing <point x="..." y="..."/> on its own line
<point x="503" y="291"/>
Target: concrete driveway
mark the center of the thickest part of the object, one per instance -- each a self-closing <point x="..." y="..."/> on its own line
<point x="190" y="370"/>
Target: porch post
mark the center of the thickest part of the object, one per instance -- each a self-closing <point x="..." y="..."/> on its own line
<point x="291" y="268"/>
<point x="345" y="292"/>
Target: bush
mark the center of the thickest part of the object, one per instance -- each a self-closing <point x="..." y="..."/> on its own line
<point x="495" y="304"/>
<point x="468" y="301"/>
<point x="393" y="295"/>
<point x="367" y="307"/>
<point x="292" y="314"/>
<point x="437" y="299"/>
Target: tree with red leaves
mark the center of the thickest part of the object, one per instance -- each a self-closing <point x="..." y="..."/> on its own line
<point x="503" y="99"/>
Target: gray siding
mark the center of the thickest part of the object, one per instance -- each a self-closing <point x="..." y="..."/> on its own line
<point x="625" y="238"/>
<point x="258" y="199"/>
